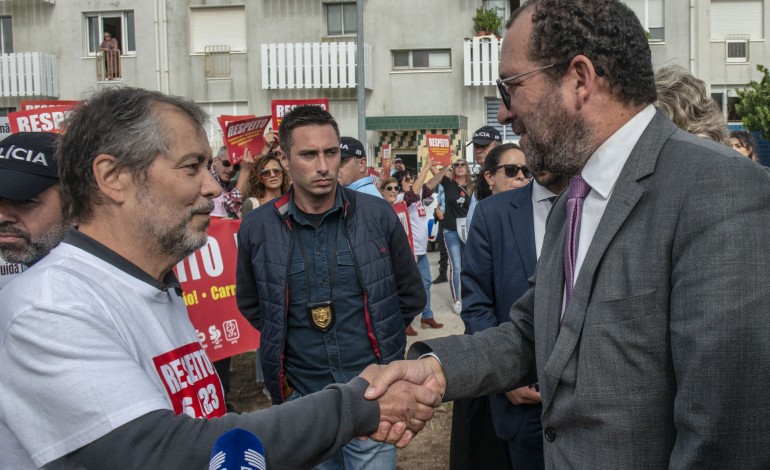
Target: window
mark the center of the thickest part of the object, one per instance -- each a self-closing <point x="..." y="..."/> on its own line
<point x="732" y="113"/>
<point x="119" y="24"/>
<point x="420" y="59"/>
<point x="341" y="19"/>
<point x="737" y="48"/>
<point x="650" y="14"/>
<point x="6" y="35"/>
<point x="218" y="26"/>
<point x="730" y="17"/>
<point x="498" y="6"/>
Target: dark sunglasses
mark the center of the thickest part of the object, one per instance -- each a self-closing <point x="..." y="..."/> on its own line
<point x="270" y="172"/>
<point x="392" y="188"/>
<point x="512" y="170"/>
<point x="459" y="164"/>
<point x="226" y="164"/>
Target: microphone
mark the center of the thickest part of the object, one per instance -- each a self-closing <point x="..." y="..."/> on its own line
<point x="238" y="449"/>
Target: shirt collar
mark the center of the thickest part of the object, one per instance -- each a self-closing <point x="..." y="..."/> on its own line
<point x="361" y="182"/>
<point x="89" y="245"/>
<point x="297" y="214"/>
<point x="602" y="170"/>
<point x="541" y="193"/>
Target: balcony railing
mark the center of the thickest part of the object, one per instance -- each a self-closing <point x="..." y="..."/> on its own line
<point x="29" y="74"/>
<point x="313" y="65"/>
<point x="480" y="58"/>
<point x="217" y="61"/>
<point x="108" y="65"/>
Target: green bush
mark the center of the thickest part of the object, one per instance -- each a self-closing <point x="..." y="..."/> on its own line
<point x="486" y="20"/>
<point x="754" y="105"/>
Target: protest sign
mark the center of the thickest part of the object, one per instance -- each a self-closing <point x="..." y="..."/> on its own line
<point x="245" y="134"/>
<point x="44" y="119"/>
<point x="208" y="284"/>
<point x="5" y="127"/>
<point x="438" y="149"/>
<point x="226" y="119"/>
<point x="281" y="107"/>
<point x="27" y="105"/>
<point x="402" y="211"/>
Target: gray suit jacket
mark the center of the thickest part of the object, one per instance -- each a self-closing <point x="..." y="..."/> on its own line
<point x="664" y="357"/>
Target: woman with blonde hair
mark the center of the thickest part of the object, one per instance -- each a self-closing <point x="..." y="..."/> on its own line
<point x="684" y="99"/>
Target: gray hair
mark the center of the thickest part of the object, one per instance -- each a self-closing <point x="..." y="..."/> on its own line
<point x="684" y="99"/>
<point x="122" y="122"/>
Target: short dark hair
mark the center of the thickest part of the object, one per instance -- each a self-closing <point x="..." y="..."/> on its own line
<point x="308" y="115"/>
<point x="492" y="159"/>
<point x="605" y="31"/>
<point x="121" y="122"/>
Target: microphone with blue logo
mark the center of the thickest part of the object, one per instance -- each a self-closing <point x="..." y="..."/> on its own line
<point x="238" y="449"/>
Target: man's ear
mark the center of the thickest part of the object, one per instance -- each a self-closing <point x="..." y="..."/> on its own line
<point x="283" y="157"/>
<point x="113" y="182"/>
<point x="362" y="166"/>
<point x="585" y="81"/>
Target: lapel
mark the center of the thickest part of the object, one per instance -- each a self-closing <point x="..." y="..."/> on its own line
<point x="523" y="226"/>
<point x="561" y="342"/>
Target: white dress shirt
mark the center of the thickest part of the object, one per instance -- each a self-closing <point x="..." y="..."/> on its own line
<point x="541" y="206"/>
<point x="601" y="172"/>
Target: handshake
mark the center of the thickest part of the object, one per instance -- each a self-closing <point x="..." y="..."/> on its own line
<point x="407" y="392"/>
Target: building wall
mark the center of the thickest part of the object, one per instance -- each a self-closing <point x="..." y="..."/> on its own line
<point x="164" y="60"/>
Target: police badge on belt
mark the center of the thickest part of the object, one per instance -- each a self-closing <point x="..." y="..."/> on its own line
<point x="321" y="314"/>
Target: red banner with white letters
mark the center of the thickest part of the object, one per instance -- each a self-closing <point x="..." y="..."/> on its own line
<point x="208" y="284"/>
<point x="245" y="134"/>
<point x="281" y="107"/>
<point x="438" y="149"/>
<point x="43" y="119"/>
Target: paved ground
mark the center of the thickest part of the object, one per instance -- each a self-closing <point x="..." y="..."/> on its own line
<point x="441" y="304"/>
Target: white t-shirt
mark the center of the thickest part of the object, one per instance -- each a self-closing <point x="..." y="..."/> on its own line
<point x="418" y="217"/>
<point x="86" y="347"/>
<point x="9" y="271"/>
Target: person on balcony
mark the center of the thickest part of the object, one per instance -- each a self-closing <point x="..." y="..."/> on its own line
<point x="111" y="53"/>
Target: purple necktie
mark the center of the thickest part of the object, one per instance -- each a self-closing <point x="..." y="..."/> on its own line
<point x="578" y="190"/>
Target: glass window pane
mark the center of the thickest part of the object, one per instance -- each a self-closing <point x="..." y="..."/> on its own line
<point x="420" y="59"/>
<point x="7" y="35"/>
<point x="334" y="20"/>
<point x="94" y="36"/>
<point x="400" y="59"/>
<point x="439" y="59"/>
<point x="351" y="19"/>
<point x="130" y="39"/>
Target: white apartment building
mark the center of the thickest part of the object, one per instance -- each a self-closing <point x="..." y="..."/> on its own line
<point x="424" y="70"/>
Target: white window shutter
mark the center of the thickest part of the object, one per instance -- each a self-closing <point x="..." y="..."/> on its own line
<point x="218" y="26"/>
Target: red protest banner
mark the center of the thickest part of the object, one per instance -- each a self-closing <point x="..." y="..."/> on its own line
<point x="402" y="211"/>
<point x="208" y="282"/>
<point x="438" y="149"/>
<point x="281" y="107"/>
<point x="26" y="105"/>
<point x="245" y="134"/>
<point x="226" y="119"/>
<point x="38" y="120"/>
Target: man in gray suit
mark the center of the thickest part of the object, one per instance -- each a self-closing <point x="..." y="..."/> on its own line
<point x="659" y="357"/>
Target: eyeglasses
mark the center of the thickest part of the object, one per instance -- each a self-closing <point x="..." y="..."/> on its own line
<point x="455" y="165"/>
<point x="512" y="170"/>
<point x="392" y="188"/>
<point x="504" y="83"/>
<point x="271" y="172"/>
<point x="226" y="164"/>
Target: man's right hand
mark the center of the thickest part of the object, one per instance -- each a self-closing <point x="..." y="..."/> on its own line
<point x="524" y="396"/>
